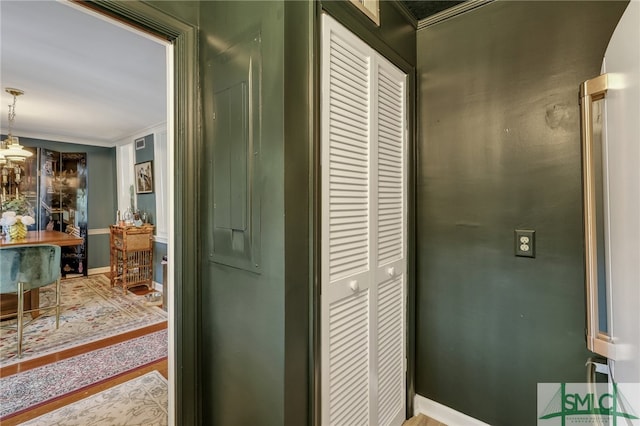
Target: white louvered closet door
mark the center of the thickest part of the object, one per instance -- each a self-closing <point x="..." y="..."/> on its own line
<point x="363" y="269"/>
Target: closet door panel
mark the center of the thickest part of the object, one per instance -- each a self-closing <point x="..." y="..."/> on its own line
<point x="390" y="274"/>
<point x="346" y="248"/>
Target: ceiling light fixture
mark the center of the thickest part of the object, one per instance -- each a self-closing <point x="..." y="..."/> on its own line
<point x="11" y="150"/>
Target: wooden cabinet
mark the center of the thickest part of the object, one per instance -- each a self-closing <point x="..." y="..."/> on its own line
<point x="131" y="256"/>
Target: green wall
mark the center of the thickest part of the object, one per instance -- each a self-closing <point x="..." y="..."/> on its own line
<point x="499" y="149"/>
<point x="101" y="167"/>
<point x="243" y="311"/>
<point x="257" y="348"/>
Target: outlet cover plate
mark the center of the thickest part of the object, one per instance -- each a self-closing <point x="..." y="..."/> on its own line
<point x="525" y="243"/>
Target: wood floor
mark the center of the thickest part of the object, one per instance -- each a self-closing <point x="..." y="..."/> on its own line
<point x="422" y="420"/>
<point x="160" y="366"/>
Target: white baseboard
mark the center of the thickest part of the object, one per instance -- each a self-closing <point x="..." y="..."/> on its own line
<point x="442" y="413"/>
<point x="157" y="286"/>
<point x="102" y="270"/>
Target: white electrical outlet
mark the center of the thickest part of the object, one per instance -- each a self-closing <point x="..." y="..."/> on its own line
<point x="525" y="243"/>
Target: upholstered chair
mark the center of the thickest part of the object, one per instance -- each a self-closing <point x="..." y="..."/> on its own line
<point x="29" y="267"/>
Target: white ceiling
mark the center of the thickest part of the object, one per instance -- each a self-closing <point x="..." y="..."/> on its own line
<point x="86" y="80"/>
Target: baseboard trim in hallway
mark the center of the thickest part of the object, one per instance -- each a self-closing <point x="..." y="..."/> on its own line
<point x="442" y="413"/>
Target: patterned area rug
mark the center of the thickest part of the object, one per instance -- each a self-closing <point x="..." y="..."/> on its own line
<point x="141" y="401"/>
<point x="26" y="390"/>
<point x="92" y="310"/>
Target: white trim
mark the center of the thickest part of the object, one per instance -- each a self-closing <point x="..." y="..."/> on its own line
<point x="157" y="286"/>
<point x="162" y="239"/>
<point x="100" y="270"/>
<point x="442" y="413"/>
<point x="98" y="231"/>
<point x="171" y="326"/>
<point x="161" y="176"/>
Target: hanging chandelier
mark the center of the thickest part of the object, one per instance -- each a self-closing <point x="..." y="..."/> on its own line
<point x="10" y="149"/>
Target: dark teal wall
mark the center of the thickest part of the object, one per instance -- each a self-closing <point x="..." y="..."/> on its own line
<point x="256" y="322"/>
<point x="299" y="144"/>
<point x="101" y="166"/>
<point x="243" y="311"/>
<point x="499" y="149"/>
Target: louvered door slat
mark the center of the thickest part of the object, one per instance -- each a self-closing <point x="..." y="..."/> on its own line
<point x="390" y="168"/>
<point x="349" y="370"/>
<point x="349" y="146"/>
<point x="390" y="348"/>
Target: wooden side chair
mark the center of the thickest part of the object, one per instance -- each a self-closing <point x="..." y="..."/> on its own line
<point x="29" y="267"/>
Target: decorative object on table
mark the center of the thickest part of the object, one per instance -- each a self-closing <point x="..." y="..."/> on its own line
<point x="20" y="205"/>
<point x="15" y="226"/>
<point x="73" y="230"/>
<point x="144" y="177"/>
<point x="132" y="197"/>
<point x="128" y="217"/>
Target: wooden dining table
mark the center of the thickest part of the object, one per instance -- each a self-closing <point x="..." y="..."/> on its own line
<point x="32" y="299"/>
<point x="45" y="237"/>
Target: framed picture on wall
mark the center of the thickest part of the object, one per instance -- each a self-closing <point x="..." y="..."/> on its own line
<point x="139" y="143"/>
<point x="371" y="8"/>
<point x="144" y="177"/>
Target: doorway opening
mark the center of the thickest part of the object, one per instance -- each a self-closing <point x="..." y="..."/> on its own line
<point x="179" y="39"/>
<point x="164" y="159"/>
